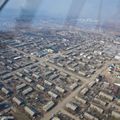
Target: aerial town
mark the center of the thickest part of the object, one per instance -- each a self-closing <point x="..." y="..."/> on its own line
<point x="54" y="74"/>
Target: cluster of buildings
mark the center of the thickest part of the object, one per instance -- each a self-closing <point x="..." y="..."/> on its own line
<point x="35" y="89"/>
<point x="95" y="101"/>
<point x="11" y="60"/>
<point x="41" y="68"/>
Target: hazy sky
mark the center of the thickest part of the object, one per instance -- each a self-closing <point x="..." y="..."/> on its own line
<point x="60" y="8"/>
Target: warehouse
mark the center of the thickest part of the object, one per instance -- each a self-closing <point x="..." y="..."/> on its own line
<point x="60" y="65"/>
<point x="48" y="106"/>
<point x="16" y="66"/>
<point x="73" y="86"/>
<point x="77" y="57"/>
<point x="82" y="63"/>
<point x="5" y="90"/>
<point x="61" y="90"/>
<point x="82" y="73"/>
<point x="54" y="76"/>
<point x="84" y="91"/>
<point x="116" y="114"/>
<point x="71" y="106"/>
<point x="74" y="65"/>
<point x="28" y="79"/>
<point x="55" y="118"/>
<point x="118" y="101"/>
<point x="69" y="62"/>
<point x="19" y="74"/>
<point x="17" y="101"/>
<point x="75" y="79"/>
<point x="7" y="118"/>
<point x="9" y="68"/>
<point x="36" y="76"/>
<point x="21" y="86"/>
<point x="100" y="110"/>
<point x="7" y="76"/>
<point x="52" y="69"/>
<point x="64" y="74"/>
<point x="80" y="100"/>
<point x="27" y="71"/>
<point x="27" y="91"/>
<point x="104" y="95"/>
<point x="18" y="57"/>
<point x="47" y="74"/>
<point x="52" y="61"/>
<point x="100" y="101"/>
<point x="117" y="107"/>
<point x="91" y="84"/>
<point x="31" y="112"/>
<point x="89" y="116"/>
<point x="48" y="83"/>
<point x="53" y="95"/>
<point x="71" y="69"/>
<point x="40" y="87"/>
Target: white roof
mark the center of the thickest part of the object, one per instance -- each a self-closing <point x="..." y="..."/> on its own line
<point x="55" y="118"/>
<point x="71" y="106"/>
<point x="29" y="111"/>
<point x="52" y="94"/>
<point x="17" y="100"/>
<point x="48" y="106"/>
